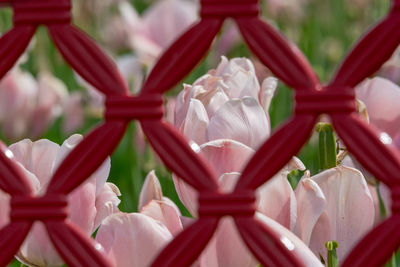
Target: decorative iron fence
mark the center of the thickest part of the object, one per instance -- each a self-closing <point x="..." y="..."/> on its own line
<point x="312" y="99"/>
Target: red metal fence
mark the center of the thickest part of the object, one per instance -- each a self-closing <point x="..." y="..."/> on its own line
<point x="312" y="99"/>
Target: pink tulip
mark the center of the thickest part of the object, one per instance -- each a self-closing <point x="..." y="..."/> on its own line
<point x="135" y="239"/>
<point x="158" y="27"/>
<point x="226" y="103"/>
<point x="227" y="158"/>
<point x="334" y="205"/>
<point x="89" y="204"/>
<point x="224" y="114"/>
<point x="132" y="240"/>
<point x="28" y="107"/>
<point x="381" y="98"/>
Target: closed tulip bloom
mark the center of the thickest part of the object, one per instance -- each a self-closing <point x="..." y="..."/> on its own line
<point x="156" y="29"/>
<point x="381" y="98"/>
<point x="24" y="111"/>
<point x="226" y="103"/>
<point x="88" y="205"/>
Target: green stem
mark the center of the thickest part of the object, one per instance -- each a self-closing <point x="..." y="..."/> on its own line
<point x="332" y="256"/>
<point x="327" y="146"/>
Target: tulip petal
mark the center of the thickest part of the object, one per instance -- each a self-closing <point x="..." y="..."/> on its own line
<point x="132" y="240"/>
<point x="242" y="83"/>
<point x="242" y="120"/>
<point x="311" y="203"/>
<point x="186" y="194"/>
<point x="232" y="66"/>
<point x="345" y="191"/>
<point x="151" y="189"/>
<point x="276" y="198"/>
<point x="99" y="177"/>
<point x="196" y="122"/>
<point x="66" y="148"/>
<point x="214" y="97"/>
<point x="36" y="157"/>
<point x="226" y="155"/>
<point x="168" y="19"/>
<point x="375" y="199"/>
<point x="381" y="98"/>
<point x="82" y="203"/>
<point x="106" y="203"/>
<point x="37" y="249"/>
<point x="165" y="213"/>
<point x="291" y="241"/>
<point x="231" y="250"/>
<point x="267" y="91"/>
<point x="227" y="181"/>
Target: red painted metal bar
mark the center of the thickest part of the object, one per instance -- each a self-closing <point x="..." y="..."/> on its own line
<point x="286" y="62"/>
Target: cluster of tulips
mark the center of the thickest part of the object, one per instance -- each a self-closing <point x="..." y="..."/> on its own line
<point x="224" y="116"/>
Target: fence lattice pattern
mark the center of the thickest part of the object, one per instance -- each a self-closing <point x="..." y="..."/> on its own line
<point x="312" y="99"/>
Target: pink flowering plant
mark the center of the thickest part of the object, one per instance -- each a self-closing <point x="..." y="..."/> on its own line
<point x="322" y="202"/>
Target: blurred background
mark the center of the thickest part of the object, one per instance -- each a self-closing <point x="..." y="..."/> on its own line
<point x="42" y="97"/>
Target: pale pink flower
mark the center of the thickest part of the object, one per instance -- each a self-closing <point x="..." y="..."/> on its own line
<point x="89" y="204"/>
<point x="158" y="27"/>
<point x="226" y="103"/>
<point x="224" y="114"/>
<point x="230" y="143"/>
<point x="322" y="208"/>
<point x="135" y="239"/>
<point x="381" y="98"/>
<point x="335" y="204"/>
<point x="28" y="107"/>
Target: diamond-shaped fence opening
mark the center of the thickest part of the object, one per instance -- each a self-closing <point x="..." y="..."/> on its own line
<point x="312" y="99"/>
